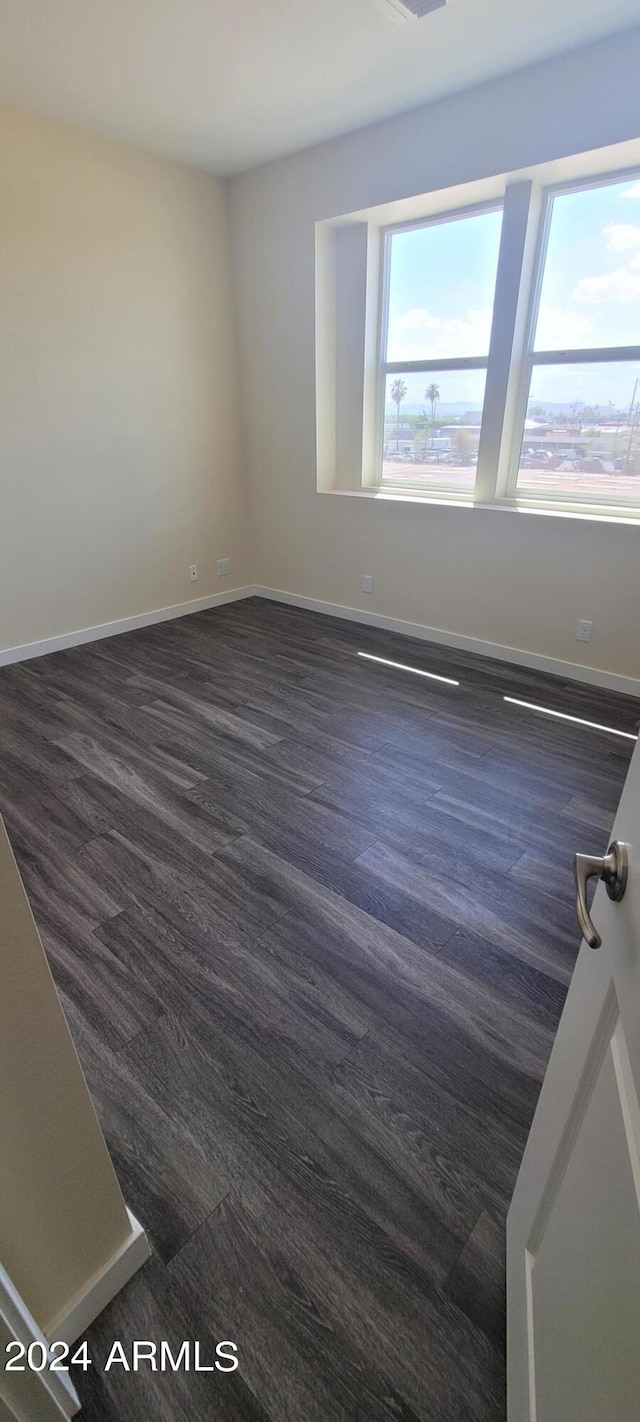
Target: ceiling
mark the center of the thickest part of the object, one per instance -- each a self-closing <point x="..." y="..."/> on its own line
<point x="228" y="84"/>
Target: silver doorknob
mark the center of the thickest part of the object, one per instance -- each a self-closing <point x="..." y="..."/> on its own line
<point x="613" y="869"/>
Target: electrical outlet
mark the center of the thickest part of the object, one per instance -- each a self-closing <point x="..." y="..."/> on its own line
<point x="223" y="566"/>
<point x="367" y="583"/>
<point x="193" y="572"/>
<point x="585" y="631"/>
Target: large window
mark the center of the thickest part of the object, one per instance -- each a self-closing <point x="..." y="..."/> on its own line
<point x="539" y="402"/>
<point x="439" y="287"/>
<point x="581" y="438"/>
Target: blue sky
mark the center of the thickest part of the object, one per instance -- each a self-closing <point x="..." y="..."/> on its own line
<point x="441" y="291"/>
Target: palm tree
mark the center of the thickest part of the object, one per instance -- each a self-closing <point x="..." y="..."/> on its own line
<point x="432" y="394"/>
<point x="398" y="394"/>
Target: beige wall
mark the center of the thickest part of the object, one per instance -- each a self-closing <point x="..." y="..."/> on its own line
<point x="62" y="1215"/>
<point x="519" y="580"/>
<point x="119" y="456"/>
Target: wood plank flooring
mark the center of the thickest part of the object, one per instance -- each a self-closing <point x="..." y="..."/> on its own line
<point x="312" y="922"/>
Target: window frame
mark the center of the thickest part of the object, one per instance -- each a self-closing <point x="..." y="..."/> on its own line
<point x="413" y="367"/>
<point x="530" y="358"/>
<point x="510" y="349"/>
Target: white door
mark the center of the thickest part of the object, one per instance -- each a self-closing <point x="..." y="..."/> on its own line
<point x="29" y="1393"/>
<point x="573" y="1232"/>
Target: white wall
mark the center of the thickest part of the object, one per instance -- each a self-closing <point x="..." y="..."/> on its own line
<point x="119" y="447"/>
<point x="519" y="580"/>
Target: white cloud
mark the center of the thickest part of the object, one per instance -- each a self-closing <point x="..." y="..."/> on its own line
<point x="622" y="237"/>
<point x="633" y="193"/>
<point x="418" y="334"/>
<point x="560" y="328"/>
<point x="621" y="285"/>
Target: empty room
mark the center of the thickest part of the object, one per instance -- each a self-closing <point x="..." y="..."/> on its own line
<point x="319" y="711"/>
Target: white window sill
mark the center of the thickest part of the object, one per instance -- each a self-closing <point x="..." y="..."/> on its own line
<point x="587" y="512"/>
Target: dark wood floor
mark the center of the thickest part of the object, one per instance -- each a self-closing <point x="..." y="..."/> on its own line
<point x="312" y="923"/>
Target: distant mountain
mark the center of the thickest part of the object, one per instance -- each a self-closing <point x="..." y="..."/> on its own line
<point x="456" y="408"/>
<point x="558" y="405"/>
<point x="443" y="408"/>
<point x="566" y="407"/>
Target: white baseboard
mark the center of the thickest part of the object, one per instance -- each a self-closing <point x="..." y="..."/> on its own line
<point x="571" y="671"/>
<point x="123" y="624"/>
<point x="103" y="1287"/>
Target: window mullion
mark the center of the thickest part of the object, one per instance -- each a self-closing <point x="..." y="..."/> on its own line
<point x="514" y="283"/>
<point x="591" y="355"/>
<point x="420" y="367"/>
